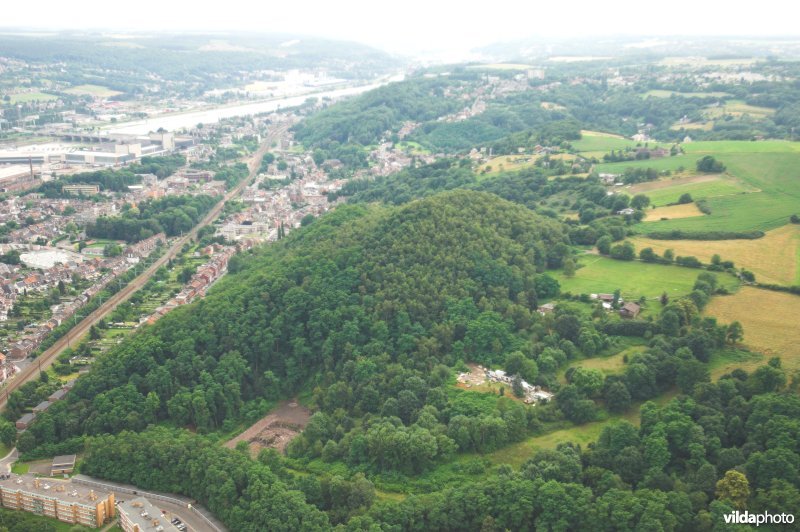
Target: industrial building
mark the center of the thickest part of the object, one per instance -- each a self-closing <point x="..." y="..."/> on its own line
<point x="94" y="149"/>
<point x="16" y="177"/>
<point x="58" y="499"/>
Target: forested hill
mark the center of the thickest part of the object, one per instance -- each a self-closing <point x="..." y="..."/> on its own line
<point x="361" y="282"/>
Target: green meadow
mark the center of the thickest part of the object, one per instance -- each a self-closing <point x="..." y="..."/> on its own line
<point x="673" y="164"/>
<point x="704" y="190"/>
<point x="603" y="142"/>
<point x="25" y="97"/>
<point x="633" y="278"/>
<point x="772" y="167"/>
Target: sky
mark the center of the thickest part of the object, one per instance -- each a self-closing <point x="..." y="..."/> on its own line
<point x="419" y="25"/>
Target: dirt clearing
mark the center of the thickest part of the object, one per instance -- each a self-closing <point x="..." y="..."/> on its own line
<point x="276" y="429"/>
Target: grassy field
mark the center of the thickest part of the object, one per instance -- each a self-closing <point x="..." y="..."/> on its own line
<point x="720" y="147"/>
<point x="507" y="163"/>
<point x="678" y="163"/>
<point x="20" y="468"/>
<point x="728" y="359"/>
<point x="658" y="93"/>
<point x="516" y="454"/>
<point x="609" y="365"/>
<point x="25" y="97"/>
<point x="633" y="278"/>
<point x="774" y="258"/>
<point x="769" y="320"/>
<point x="666" y="191"/>
<point x="738" y="109"/>
<point x="596" y="141"/>
<point x="703" y="126"/>
<point x="771" y="167"/>
<point x="97" y="91"/>
<point x="687" y="210"/>
<point x="413" y="147"/>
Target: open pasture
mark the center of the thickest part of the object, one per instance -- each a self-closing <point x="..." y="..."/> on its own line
<point x="774" y="258"/>
<point x="633" y="278"/>
<point x="769" y="320"/>
<point x="771" y="167"/>
<point x="667" y="191"/>
<point x="687" y="210"/>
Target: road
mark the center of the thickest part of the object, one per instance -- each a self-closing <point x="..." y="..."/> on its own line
<point x="196" y="517"/>
<point x="46" y="359"/>
<point x="8" y="461"/>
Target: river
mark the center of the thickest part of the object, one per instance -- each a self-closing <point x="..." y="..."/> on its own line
<point x="190" y="119"/>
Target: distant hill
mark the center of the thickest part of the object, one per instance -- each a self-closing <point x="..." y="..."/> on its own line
<point x="176" y="57"/>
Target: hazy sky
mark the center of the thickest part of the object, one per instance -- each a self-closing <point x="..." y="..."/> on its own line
<point x="415" y="25"/>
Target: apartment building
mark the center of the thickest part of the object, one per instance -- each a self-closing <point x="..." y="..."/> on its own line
<point x="139" y="515"/>
<point x="58" y="499"/>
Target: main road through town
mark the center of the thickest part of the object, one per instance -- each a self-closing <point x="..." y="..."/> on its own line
<point x="45" y="360"/>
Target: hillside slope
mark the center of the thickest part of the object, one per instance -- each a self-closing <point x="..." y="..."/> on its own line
<point x="361" y="282"/>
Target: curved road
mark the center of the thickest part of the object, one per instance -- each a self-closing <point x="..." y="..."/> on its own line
<point x="45" y="360"/>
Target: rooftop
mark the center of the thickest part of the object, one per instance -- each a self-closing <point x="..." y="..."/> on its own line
<point x="62" y="490"/>
<point x="14" y="170"/>
<point x="142" y="513"/>
<point x="64" y="460"/>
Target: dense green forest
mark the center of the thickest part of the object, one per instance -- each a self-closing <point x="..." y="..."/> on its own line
<point x="172" y="215"/>
<point x="368" y="310"/>
<point x="161" y="167"/>
<point x="728" y="445"/>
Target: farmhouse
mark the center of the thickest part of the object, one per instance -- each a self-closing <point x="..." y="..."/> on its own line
<point x="630" y="310"/>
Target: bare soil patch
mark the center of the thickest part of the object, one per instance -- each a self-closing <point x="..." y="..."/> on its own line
<point x="276" y="429"/>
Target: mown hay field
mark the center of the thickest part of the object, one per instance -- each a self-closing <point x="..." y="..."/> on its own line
<point x="770" y="321"/>
<point x="775" y="258"/>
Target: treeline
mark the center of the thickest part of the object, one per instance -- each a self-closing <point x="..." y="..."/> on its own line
<point x="172" y="215"/>
<point x="677" y="234"/>
<point x="244" y="494"/>
<point x="106" y="180"/>
<point x="162" y="166"/>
